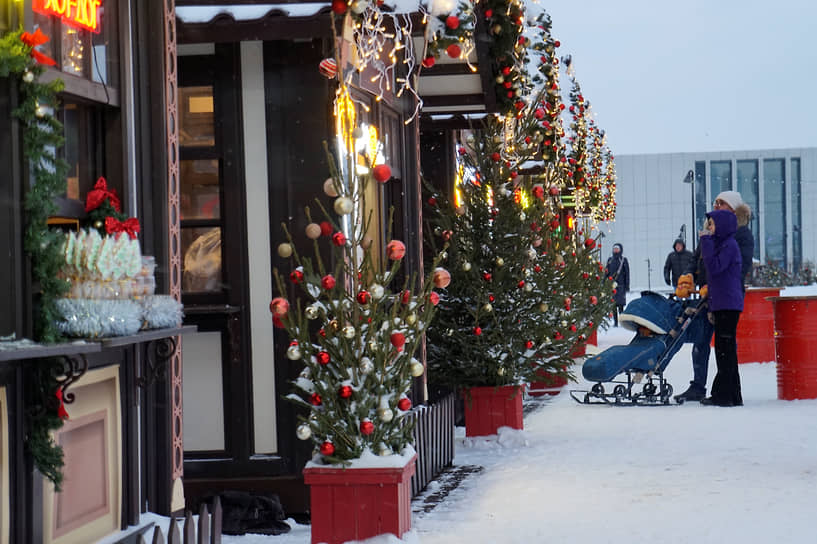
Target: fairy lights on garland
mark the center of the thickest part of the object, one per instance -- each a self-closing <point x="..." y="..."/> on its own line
<point x="42" y="136"/>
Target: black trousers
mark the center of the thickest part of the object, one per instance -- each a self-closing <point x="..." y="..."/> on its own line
<point x="726" y="387"/>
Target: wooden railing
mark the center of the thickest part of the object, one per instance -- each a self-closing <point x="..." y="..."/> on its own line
<point x="205" y="530"/>
<point x="433" y="440"/>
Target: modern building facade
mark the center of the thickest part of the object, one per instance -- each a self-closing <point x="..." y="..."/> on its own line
<point x="663" y="196"/>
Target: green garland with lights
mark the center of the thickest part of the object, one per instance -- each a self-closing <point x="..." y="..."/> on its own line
<point x="42" y="136"/>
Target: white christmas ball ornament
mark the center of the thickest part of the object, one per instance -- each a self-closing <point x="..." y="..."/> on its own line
<point x="466" y="266"/>
<point x="304" y="432"/>
<point x="531" y="253"/>
<point x="377" y="291"/>
<point x="312" y="312"/>
<point x="528" y="287"/>
<point x="348" y="332"/>
<point x="293" y="353"/>
<point x="385" y="414"/>
<point x="28" y="77"/>
<point x="366" y="365"/>
<point x="343" y="205"/>
<point x="284" y="250"/>
<point x="329" y="187"/>
<point x="416" y="368"/>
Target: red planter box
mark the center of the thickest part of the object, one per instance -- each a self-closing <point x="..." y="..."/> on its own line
<point x="489" y="408"/>
<point x="795" y="325"/>
<point x="551" y="384"/>
<point x="359" y="503"/>
<point x="756" y="326"/>
<point x="581" y="349"/>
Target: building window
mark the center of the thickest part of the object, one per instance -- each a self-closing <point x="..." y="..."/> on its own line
<point x="748" y="187"/>
<point x="721" y="177"/>
<point x="796" y="215"/>
<point x="701" y="202"/>
<point x="774" y="210"/>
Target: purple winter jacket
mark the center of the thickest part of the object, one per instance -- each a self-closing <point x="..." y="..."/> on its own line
<point x="723" y="261"/>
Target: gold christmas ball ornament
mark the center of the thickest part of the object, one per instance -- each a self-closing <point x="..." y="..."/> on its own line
<point x="385" y="414"/>
<point x="500" y="371"/>
<point x="487" y="308"/>
<point x="329" y="188"/>
<point x="303" y="431"/>
<point x="497" y="139"/>
<point x="285" y="250"/>
<point x="543" y="307"/>
<point x="312" y="312"/>
<point x="97" y="224"/>
<point x="366" y="366"/>
<point x="293" y="353"/>
<point x="500" y="261"/>
<point x="343" y="205"/>
<point x="313" y="231"/>
<point x="411" y="319"/>
<point x="377" y="291"/>
<point x="497" y="29"/>
<point x="334" y="325"/>
<point x="500" y="79"/>
<point x="416" y="368"/>
<point x="348" y="332"/>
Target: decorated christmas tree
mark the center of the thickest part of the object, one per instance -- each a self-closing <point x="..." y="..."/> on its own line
<point x="355" y="326"/>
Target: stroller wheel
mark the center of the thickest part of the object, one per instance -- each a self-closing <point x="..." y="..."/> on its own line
<point x="649" y="389"/>
<point x="619" y="391"/>
<point x="666" y="390"/>
<point x="598" y="389"/>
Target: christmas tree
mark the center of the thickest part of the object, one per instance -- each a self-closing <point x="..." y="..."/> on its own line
<point x="354" y="328"/>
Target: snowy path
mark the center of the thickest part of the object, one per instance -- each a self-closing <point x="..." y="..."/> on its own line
<point x="598" y="474"/>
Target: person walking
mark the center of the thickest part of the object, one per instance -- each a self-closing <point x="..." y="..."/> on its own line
<point x="723" y="262"/>
<point x="678" y="262"/>
<point x="702" y="332"/>
<point x="618" y="270"/>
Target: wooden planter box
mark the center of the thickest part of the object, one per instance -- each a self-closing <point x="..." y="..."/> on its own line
<point x="550" y="384"/>
<point x="795" y="331"/>
<point x="359" y="503"/>
<point x="489" y="408"/>
<point x="756" y="326"/>
<point x="581" y="349"/>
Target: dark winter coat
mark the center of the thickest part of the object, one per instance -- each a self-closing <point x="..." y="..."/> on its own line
<point x="619" y="270"/>
<point x="746" y="244"/>
<point x="723" y="262"/>
<point x="678" y="263"/>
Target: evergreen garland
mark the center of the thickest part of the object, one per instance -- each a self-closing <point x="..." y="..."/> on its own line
<point x="42" y="136"/>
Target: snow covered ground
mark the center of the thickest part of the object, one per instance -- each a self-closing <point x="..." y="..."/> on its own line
<point x="670" y="474"/>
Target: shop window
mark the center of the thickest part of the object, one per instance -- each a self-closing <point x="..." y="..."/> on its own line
<point x="748" y="187"/>
<point x="796" y="215"/>
<point x="701" y="202"/>
<point x="774" y="210"/>
<point x="720" y="177"/>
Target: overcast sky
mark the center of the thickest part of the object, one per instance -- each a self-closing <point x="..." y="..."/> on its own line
<point x="698" y="75"/>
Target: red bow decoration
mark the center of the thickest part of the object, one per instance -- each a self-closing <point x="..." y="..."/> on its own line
<point x="33" y="40"/>
<point x="131" y="226"/>
<point x="99" y="194"/>
<point x="62" y="413"/>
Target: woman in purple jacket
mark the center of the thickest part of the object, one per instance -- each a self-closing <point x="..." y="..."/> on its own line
<point x="723" y="265"/>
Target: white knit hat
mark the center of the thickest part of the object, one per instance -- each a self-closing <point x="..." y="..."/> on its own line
<point x="732" y="198"/>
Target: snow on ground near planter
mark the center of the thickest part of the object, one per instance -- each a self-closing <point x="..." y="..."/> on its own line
<point x="670" y="474"/>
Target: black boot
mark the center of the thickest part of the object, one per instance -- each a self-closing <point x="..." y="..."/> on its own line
<point x="693" y="393"/>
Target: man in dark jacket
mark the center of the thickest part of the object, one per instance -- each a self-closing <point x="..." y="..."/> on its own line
<point x="732" y="201"/>
<point x="678" y="262"/>
<point x="618" y="269"/>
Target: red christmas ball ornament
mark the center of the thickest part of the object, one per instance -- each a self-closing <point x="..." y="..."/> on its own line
<point x="395" y="250"/>
<point x="339" y="6"/>
<point x="327" y="448"/>
<point x="315" y="399"/>
<point x="296" y="276"/>
<point x="537" y="268"/>
<point x="557" y="43"/>
<point x="398" y="340"/>
<point x="507" y="84"/>
<point x="429" y="61"/>
<point x="345" y="392"/>
<point x="447" y="235"/>
<point x="364" y="297"/>
<point x="452" y="22"/>
<point x="572" y="328"/>
<point x="339" y="239"/>
<point x="491" y="298"/>
<point x="554" y="224"/>
<point x="328" y="68"/>
<point x="495" y="156"/>
<point x="366" y="427"/>
<point x="489" y="13"/>
<point x="323" y="357"/>
<point x="326" y="228"/>
<point x="529" y="344"/>
<point x="558" y="336"/>
<point x="454" y="51"/>
<point x="554" y="190"/>
<point x="404" y="404"/>
<point x="585" y="275"/>
<point x="277" y="323"/>
<point x="406" y="297"/>
<point x="434" y="298"/>
<point x="462" y="151"/>
<point x="328" y="282"/>
<point x="477" y="331"/>
<point x="589" y="243"/>
<point x="432" y="201"/>
<point x="486" y="276"/>
<point x="538" y="191"/>
<point x="594" y="300"/>
<point x="539" y="113"/>
<point x="441" y="278"/>
<point x="382" y="173"/>
<point x="506" y="70"/>
<point x="521" y="284"/>
<point x="279" y="306"/>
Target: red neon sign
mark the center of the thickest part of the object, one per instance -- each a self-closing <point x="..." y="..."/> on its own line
<point x="77" y="13"/>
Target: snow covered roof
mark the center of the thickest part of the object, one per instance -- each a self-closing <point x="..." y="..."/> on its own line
<point x="241" y="12"/>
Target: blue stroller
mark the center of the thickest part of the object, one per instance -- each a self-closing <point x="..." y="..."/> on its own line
<point x="662" y="325"/>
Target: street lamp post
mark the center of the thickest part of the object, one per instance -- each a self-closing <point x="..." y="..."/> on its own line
<point x="690" y="178"/>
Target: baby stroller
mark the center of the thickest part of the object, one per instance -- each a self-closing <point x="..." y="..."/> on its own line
<point x="662" y="325"/>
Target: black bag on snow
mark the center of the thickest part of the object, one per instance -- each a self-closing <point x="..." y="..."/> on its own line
<point x="256" y="513"/>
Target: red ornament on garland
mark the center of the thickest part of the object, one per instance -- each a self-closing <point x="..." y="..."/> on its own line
<point x="506" y="70"/>
<point x="454" y="51"/>
<point x="345" y="392"/>
<point x="366" y="427"/>
<point x="339" y="239"/>
<point x="429" y="61"/>
<point x="100" y="193"/>
<point x="315" y="399"/>
<point x="328" y="68"/>
<point x="382" y="173"/>
<point x="339" y="6"/>
<point x="327" y="448"/>
<point x="495" y="156"/>
<point x="404" y="404"/>
<point x="452" y="22"/>
<point x="296" y="276"/>
<point x="323" y="357"/>
<point x="62" y="413"/>
<point x="328" y="282"/>
<point x="589" y="243"/>
<point x="398" y="340"/>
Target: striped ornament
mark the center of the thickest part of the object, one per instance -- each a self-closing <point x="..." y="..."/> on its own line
<point x="328" y="67"/>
